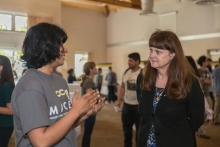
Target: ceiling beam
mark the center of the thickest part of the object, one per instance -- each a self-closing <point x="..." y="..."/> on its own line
<point x="79" y="4"/>
<point x="106" y="10"/>
<point x="119" y="3"/>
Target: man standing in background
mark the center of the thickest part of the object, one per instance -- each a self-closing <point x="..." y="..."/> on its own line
<point x="130" y="115"/>
<point x="111" y="79"/>
<point x="98" y="80"/>
<point x="216" y="90"/>
<point x="205" y="78"/>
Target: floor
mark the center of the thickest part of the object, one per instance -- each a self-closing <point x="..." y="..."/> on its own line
<point x="108" y="131"/>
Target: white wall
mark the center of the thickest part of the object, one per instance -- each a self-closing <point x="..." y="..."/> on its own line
<point x="126" y="29"/>
<point x="86" y="31"/>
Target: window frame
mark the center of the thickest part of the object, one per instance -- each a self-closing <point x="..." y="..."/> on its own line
<point x="13" y="15"/>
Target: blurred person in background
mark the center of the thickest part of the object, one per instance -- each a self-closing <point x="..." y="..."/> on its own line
<point x="71" y="76"/>
<point x="111" y="79"/>
<point x="130" y="115"/>
<point x="205" y="78"/>
<point x="6" y="88"/>
<point x="89" y="70"/>
<point x="208" y="110"/>
<point x="209" y="68"/>
<point x="98" y="80"/>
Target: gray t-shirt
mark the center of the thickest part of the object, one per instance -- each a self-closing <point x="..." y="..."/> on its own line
<point x="111" y="78"/>
<point x="40" y="100"/>
<point x="88" y="83"/>
<point x="204" y="74"/>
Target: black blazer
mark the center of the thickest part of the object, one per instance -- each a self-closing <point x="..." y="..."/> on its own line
<point x="175" y="121"/>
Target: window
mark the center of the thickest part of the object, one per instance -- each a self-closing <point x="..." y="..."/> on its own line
<point x="21" y="23"/>
<point x="14" y="57"/>
<point x="13" y="22"/>
<point x="5" y="22"/>
<point x="80" y="60"/>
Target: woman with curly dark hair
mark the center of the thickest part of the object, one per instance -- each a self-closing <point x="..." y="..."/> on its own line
<point x="6" y="88"/>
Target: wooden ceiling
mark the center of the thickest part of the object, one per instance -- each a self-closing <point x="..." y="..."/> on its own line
<point x="105" y="6"/>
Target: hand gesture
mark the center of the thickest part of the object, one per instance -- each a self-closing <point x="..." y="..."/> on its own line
<point x="85" y="103"/>
<point x="96" y="108"/>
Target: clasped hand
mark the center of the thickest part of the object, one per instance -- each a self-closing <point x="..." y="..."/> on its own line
<point x="89" y="104"/>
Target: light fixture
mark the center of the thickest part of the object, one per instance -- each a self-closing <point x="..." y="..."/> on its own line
<point x="207" y="2"/>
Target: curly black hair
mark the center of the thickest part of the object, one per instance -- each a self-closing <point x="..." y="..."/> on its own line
<point x="42" y="44"/>
<point x="201" y="60"/>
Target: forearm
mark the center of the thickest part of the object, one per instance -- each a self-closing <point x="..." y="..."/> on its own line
<point x="50" y="135"/>
<point x="6" y="111"/>
<point x="121" y="93"/>
<point x="80" y="120"/>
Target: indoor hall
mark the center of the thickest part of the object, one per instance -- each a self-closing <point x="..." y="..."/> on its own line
<point x="107" y="33"/>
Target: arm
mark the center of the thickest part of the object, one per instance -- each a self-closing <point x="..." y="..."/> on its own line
<point x="208" y="112"/>
<point x="121" y="94"/>
<point x="7" y="92"/>
<point x="49" y="135"/>
<point x="196" y="106"/>
<point x="208" y="81"/>
<point x="6" y="110"/>
<point x="95" y="108"/>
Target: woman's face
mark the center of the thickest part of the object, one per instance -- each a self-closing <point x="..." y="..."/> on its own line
<point x="160" y="59"/>
<point x="93" y="70"/>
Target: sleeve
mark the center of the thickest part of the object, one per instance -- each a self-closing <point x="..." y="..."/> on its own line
<point x="89" y="84"/>
<point x="7" y="92"/>
<point x="196" y="106"/>
<point x="32" y="111"/>
<point x="138" y="87"/>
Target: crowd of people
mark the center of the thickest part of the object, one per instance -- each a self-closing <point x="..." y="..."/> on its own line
<point x="166" y="100"/>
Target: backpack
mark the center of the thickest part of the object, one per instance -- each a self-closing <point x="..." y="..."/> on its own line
<point x="128" y="69"/>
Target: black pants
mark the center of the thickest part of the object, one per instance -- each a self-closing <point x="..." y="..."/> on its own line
<point x="111" y="93"/>
<point x="213" y="100"/>
<point x="130" y="116"/>
<point x="5" y="135"/>
<point x="88" y="128"/>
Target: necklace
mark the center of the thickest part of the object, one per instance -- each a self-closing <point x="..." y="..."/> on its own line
<point x="158" y="94"/>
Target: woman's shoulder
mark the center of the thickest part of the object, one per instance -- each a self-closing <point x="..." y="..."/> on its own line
<point x="7" y="84"/>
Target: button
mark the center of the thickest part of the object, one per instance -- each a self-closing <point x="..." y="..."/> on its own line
<point x="152" y="115"/>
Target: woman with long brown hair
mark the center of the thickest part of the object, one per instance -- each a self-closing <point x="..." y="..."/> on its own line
<point x="171" y="103"/>
<point x="87" y="85"/>
<point x="6" y="88"/>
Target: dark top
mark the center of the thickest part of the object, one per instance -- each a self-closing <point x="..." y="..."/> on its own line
<point x="71" y="79"/>
<point x="88" y="83"/>
<point x="5" y="97"/>
<point x="175" y="121"/>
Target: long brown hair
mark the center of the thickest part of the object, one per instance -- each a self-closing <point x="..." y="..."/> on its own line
<point x="86" y="69"/>
<point x="6" y="73"/>
<point x="180" y="73"/>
